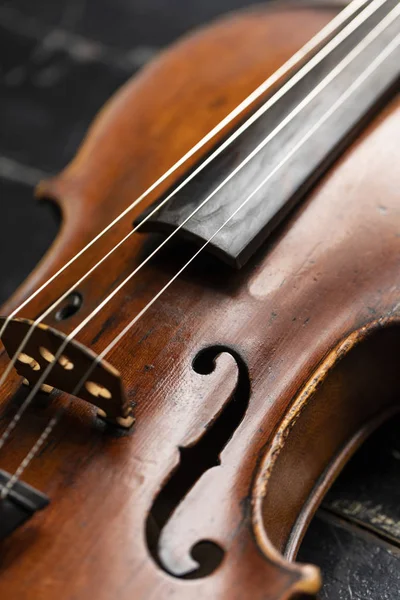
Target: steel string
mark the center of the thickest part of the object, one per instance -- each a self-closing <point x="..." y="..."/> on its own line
<point x="337" y="70"/>
<point x="295" y="59"/>
<point x="354" y="24"/>
<point x="355" y="85"/>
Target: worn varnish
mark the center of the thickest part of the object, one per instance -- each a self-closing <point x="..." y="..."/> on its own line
<point x="313" y="310"/>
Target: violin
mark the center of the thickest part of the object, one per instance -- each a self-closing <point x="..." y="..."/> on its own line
<point x="216" y="328"/>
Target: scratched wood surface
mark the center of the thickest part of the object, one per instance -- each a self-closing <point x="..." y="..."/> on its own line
<point x="48" y="52"/>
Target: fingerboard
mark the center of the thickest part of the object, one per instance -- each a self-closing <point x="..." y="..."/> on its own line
<point x="235" y="202"/>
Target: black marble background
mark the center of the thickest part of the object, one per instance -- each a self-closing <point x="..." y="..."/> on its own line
<point x="59" y="61"/>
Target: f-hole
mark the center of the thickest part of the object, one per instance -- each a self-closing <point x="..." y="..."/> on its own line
<point x="195" y="461"/>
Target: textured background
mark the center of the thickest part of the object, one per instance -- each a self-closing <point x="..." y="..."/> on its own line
<point x="59" y="61"/>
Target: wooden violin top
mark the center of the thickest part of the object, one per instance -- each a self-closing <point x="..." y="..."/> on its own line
<point x="250" y="389"/>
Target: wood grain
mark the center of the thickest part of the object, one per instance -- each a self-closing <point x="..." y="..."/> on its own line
<point x="323" y="285"/>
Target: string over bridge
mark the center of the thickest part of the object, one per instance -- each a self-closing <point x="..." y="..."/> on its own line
<point x="103" y="388"/>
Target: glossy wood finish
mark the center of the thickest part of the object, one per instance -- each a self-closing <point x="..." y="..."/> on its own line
<point x="302" y="304"/>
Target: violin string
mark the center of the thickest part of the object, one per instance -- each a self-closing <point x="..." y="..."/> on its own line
<point x="373" y="66"/>
<point x="62" y="347"/>
<point x="373" y="34"/>
<point x="268" y="83"/>
<point x="312" y="63"/>
<point x="294" y="60"/>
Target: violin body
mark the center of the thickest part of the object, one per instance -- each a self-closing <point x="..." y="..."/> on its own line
<point x="250" y="388"/>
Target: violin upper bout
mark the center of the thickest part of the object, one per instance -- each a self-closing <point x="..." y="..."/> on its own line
<point x="158" y="116"/>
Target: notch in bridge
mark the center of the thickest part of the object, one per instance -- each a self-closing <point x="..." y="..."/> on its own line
<point x="103" y="388"/>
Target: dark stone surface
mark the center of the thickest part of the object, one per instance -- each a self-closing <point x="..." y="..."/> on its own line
<point x="133" y="23"/>
<point x="355" y="564"/>
<point x="48" y="95"/>
<point x="27" y="227"/>
<point x="368" y="491"/>
<point x="53" y="79"/>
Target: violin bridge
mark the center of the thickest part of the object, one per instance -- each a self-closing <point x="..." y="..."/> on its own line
<point x="103" y="387"/>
